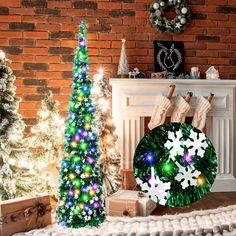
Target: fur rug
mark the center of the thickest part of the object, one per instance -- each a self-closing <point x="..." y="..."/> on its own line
<point x="221" y="221"/>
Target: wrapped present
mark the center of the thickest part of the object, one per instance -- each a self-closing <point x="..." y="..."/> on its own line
<point x="128" y="179"/>
<point x="129" y="203"/>
<point x="25" y="213"/>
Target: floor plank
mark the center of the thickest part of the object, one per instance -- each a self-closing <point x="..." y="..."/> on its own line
<point x="210" y="201"/>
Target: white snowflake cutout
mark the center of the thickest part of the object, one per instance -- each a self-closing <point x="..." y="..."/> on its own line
<point x="185" y="176"/>
<point x="157" y="189"/>
<point x="198" y="144"/>
<point x="176" y="146"/>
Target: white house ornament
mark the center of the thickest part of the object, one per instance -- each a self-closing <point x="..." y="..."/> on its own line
<point x="161" y="23"/>
<point x="175" y="164"/>
<point x="212" y="73"/>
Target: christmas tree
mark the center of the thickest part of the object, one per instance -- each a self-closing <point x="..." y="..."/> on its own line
<point x="123" y="68"/>
<point x="109" y="155"/>
<point x="80" y="198"/>
<point x="16" y="178"/>
<point x="47" y="143"/>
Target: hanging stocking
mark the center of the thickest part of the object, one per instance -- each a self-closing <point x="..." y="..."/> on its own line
<point x="181" y="108"/>
<point x="161" y="108"/>
<point x="203" y="107"/>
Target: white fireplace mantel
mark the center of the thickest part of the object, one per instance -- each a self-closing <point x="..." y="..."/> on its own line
<point x="133" y="100"/>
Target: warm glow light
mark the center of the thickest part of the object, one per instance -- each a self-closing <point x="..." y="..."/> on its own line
<point x="2" y="54"/>
<point x="67" y="154"/>
<point x="101" y="70"/>
<point x="72" y="176"/>
<point x="201" y="181"/>
<point x="91" y="193"/>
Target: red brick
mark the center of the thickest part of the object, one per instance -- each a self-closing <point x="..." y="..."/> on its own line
<point x="35" y="19"/>
<point x="205" y="23"/>
<point x="218" y="31"/>
<point x="10" y="3"/>
<point x="22" y="11"/>
<point x="48" y="58"/>
<point x="99" y="44"/>
<point x="218" y="61"/>
<point x="48" y="27"/>
<point x="9" y="34"/>
<point x="36" y="35"/>
<point x="24" y="58"/>
<point x="16" y="66"/>
<point x="59" y="82"/>
<point x="10" y="18"/>
<point x="109" y="36"/>
<point x="4" y="42"/>
<point x="221" y="46"/>
<point x="45" y="42"/>
<point x="217" y="16"/>
<point x="215" y="2"/>
<point x="38" y="51"/>
<point x="48" y="75"/>
<point x="60" y="67"/>
<point x="59" y="4"/>
<point x="30" y="113"/>
<point x="24" y="90"/>
<point x="4" y="26"/>
<point x="27" y="105"/>
<point x="99" y="60"/>
<point x="68" y="43"/>
<point x="206" y="53"/>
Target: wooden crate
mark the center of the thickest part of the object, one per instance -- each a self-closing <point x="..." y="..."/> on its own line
<point x="24" y="214"/>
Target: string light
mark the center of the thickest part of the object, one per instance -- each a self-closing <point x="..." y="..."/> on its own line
<point x="187" y="158"/>
<point x="201" y="181"/>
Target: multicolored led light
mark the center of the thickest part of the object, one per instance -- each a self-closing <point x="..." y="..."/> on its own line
<point x="80" y="198"/>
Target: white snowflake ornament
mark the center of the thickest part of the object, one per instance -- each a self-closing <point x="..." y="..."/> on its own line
<point x="198" y="145"/>
<point x="175" y="144"/>
<point x="157" y="189"/>
<point x="187" y="177"/>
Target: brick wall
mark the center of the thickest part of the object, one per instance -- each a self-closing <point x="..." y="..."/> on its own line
<point x="40" y="36"/>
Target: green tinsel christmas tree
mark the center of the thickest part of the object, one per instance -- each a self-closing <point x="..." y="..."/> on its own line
<point x="80" y="197"/>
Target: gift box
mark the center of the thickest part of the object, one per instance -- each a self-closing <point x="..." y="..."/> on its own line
<point x="25" y="213"/>
<point x="128" y="180"/>
<point x="129" y="203"/>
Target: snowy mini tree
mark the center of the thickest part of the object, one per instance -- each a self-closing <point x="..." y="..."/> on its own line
<point x="16" y="178"/>
<point x="123" y="68"/>
<point x="109" y="155"/>
<point x="80" y="197"/>
<point x="46" y="145"/>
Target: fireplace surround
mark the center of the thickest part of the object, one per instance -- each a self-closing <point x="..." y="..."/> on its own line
<point x="133" y="100"/>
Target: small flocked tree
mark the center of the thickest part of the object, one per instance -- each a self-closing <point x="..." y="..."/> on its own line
<point x="123" y="68"/>
<point x="16" y="178"/>
<point x="46" y="144"/>
<point x="80" y="197"/>
<point x="109" y="155"/>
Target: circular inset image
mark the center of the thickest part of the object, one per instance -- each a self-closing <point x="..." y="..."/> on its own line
<point x="175" y="164"/>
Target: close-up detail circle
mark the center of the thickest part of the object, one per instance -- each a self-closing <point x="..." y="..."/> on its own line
<point x="175" y="164"/>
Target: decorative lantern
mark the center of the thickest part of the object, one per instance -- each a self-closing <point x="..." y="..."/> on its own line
<point x="212" y="73"/>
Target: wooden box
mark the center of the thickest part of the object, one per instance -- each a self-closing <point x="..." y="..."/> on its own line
<point x="24" y="214"/>
<point x="129" y="203"/>
<point x="128" y="179"/>
<point x="123" y="206"/>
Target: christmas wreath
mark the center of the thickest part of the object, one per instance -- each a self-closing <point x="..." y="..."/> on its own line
<point x="161" y="23"/>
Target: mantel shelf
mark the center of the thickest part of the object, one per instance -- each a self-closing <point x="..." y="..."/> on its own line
<point x="203" y="82"/>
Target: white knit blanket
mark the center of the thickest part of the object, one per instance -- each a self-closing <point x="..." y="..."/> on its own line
<point x="221" y="221"/>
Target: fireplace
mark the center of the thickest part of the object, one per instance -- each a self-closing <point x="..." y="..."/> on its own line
<point x="133" y="101"/>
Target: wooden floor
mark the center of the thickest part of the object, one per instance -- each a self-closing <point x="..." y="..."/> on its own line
<point x="210" y="201"/>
